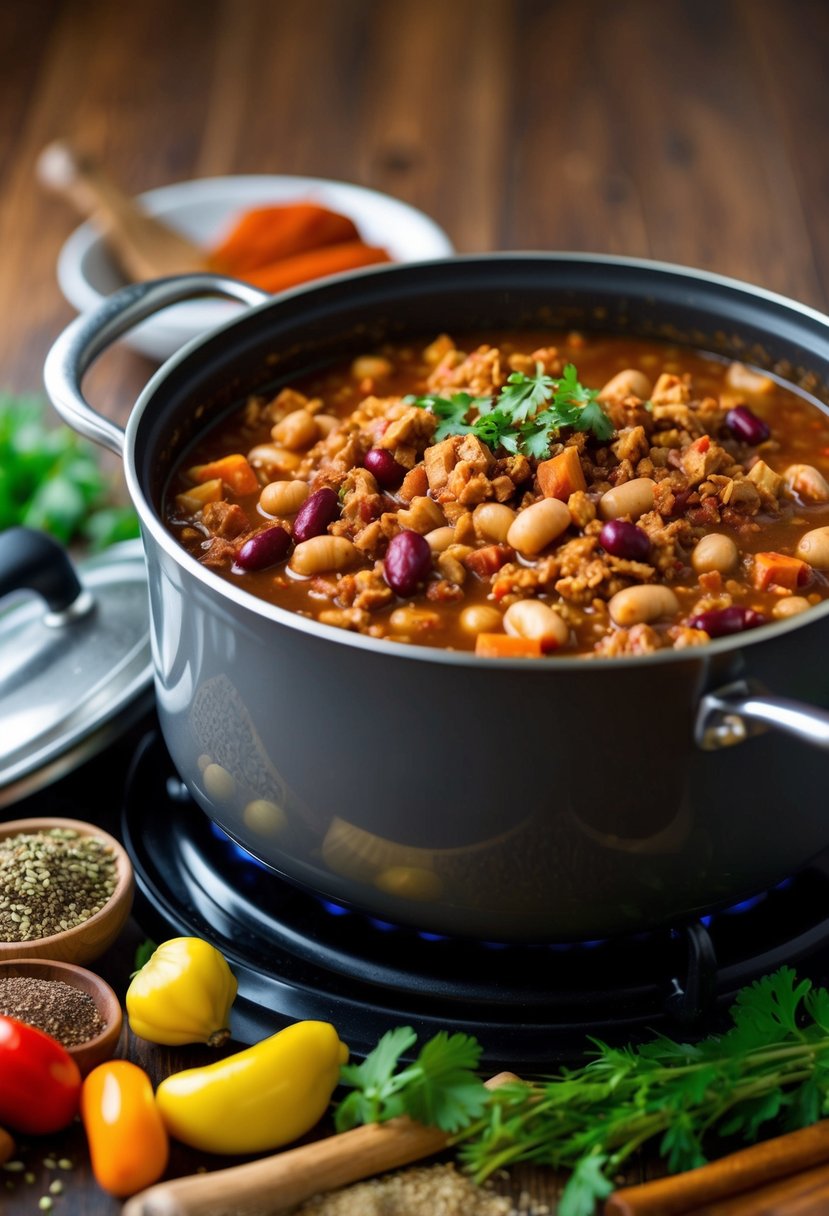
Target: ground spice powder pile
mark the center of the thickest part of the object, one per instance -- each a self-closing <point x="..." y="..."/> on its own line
<point x="52" y="881"/>
<point x="67" y="1013"/>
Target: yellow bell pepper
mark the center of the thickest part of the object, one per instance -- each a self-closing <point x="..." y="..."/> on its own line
<point x="183" y="994"/>
<point x="259" y="1098"/>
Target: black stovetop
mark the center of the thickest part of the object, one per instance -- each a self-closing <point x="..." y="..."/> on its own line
<point x="531" y="1006"/>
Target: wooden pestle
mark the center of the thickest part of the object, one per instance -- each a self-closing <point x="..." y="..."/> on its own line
<point x="295" y="1175"/>
<point x="144" y="247"/>
<point x="740" y="1172"/>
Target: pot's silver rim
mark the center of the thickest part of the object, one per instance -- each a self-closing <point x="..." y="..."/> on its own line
<point x="151" y="522"/>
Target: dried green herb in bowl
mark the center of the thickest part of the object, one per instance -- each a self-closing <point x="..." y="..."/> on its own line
<point x="65" y="889"/>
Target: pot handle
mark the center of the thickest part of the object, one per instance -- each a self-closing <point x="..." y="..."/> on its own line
<point x="90" y="334"/>
<point x="737" y="712"/>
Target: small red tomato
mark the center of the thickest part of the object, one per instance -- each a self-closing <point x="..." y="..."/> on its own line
<point x="40" y="1084"/>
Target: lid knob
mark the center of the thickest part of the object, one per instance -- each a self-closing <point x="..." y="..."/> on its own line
<point x="31" y="560"/>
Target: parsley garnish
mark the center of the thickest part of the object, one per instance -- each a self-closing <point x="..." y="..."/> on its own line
<point x="768" y="1071"/>
<point x="527" y="414"/>
<point x="439" y="1088"/>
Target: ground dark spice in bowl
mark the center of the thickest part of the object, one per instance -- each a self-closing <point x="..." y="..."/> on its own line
<point x="52" y="881"/>
<point x="65" y="1012"/>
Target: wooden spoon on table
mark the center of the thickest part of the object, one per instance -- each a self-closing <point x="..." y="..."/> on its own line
<point x="288" y="1178"/>
<point x="144" y="247"/>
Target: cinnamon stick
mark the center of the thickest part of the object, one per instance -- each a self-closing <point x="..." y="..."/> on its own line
<point x="804" y="1194"/>
<point x="295" y="1175"/>
<point x="745" y="1170"/>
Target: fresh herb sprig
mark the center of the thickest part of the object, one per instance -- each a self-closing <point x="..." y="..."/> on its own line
<point x="50" y="479"/>
<point x="526" y="416"/>
<point x="769" y="1070"/>
<point x="438" y="1088"/>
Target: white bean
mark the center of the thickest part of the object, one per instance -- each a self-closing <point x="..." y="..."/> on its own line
<point x="535" y="619"/>
<point x="283" y="497"/>
<point x="647" y="602"/>
<point x="627" y="383"/>
<point x="807" y="482"/>
<point x="631" y="498"/>
<point x="715" y="552"/>
<point x="744" y="380"/>
<point x="492" y="521"/>
<point x="481" y="618"/>
<point x="439" y="539"/>
<point x="790" y="605"/>
<point x="538" y="526"/>
<point x="296" y="431"/>
<point x="273" y="460"/>
<point x="323" y="553"/>
<point x="813" y="547"/>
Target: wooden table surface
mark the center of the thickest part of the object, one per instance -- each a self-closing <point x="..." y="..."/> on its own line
<point x="692" y="131"/>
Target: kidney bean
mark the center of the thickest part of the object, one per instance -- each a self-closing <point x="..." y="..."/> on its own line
<point x="264" y="549"/>
<point x="622" y="539"/>
<point x="720" y="622"/>
<point x="384" y="468"/>
<point x="408" y="560"/>
<point x="315" y="514"/>
<point x="744" y="424"/>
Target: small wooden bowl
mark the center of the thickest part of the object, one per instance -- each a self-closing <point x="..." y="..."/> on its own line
<point x="89" y="940"/>
<point x="94" y="1051"/>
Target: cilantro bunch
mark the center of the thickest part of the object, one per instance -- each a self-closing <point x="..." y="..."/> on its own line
<point x="50" y="479"/>
<point x="526" y="416"/>
<point x="768" y="1072"/>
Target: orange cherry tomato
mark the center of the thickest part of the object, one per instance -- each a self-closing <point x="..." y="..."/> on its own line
<point x="128" y="1143"/>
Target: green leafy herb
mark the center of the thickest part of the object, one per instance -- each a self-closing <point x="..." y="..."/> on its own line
<point x="768" y="1071"/>
<point x="526" y="416"/>
<point x="50" y="479"/>
<point x="439" y="1087"/>
<point x="143" y="954"/>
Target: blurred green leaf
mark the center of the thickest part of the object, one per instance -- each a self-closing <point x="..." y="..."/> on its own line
<point x="110" y="525"/>
<point x="51" y="479"/>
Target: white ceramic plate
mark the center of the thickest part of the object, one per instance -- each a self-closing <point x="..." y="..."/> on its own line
<point x="203" y="209"/>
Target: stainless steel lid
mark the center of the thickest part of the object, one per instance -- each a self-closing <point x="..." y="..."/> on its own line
<point x="75" y="658"/>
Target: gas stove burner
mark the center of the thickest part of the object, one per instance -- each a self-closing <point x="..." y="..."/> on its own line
<point x="297" y="955"/>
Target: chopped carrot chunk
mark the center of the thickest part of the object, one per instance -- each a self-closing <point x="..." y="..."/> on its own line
<point x="235" y="471"/>
<point x="776" y="569"/>
<point x="562" y="475"/>
<point x="505" y="646"/>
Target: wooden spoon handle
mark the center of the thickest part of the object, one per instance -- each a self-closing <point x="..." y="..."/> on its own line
<point x="144" y="246"/>
<point x="289" y="1178"/>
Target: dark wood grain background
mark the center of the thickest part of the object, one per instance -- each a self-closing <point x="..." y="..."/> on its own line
<point x="693" y="131"/>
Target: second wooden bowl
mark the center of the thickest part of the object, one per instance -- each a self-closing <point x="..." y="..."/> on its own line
<point x="90" y="939"/>
<point x="94" y="1051"/>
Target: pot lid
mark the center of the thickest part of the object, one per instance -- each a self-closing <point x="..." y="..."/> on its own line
<point x="75" y="658"/>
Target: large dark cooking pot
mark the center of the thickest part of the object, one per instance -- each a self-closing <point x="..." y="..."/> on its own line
<point x="554" y="799"/>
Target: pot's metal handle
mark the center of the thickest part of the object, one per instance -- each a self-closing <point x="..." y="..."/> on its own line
<point x="89" y="335"/>
<point x="741" y="710"/>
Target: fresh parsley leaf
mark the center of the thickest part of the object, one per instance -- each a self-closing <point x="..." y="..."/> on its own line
<point x="447" y="1093"/>
<point x="440" y="1088"/>
<point x="525" y="417"/>
<point x="586" y="1187"/>
<point x="452" y="412"/>
<point x="523" y="396"/>
<point x="374" y="1082"/>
